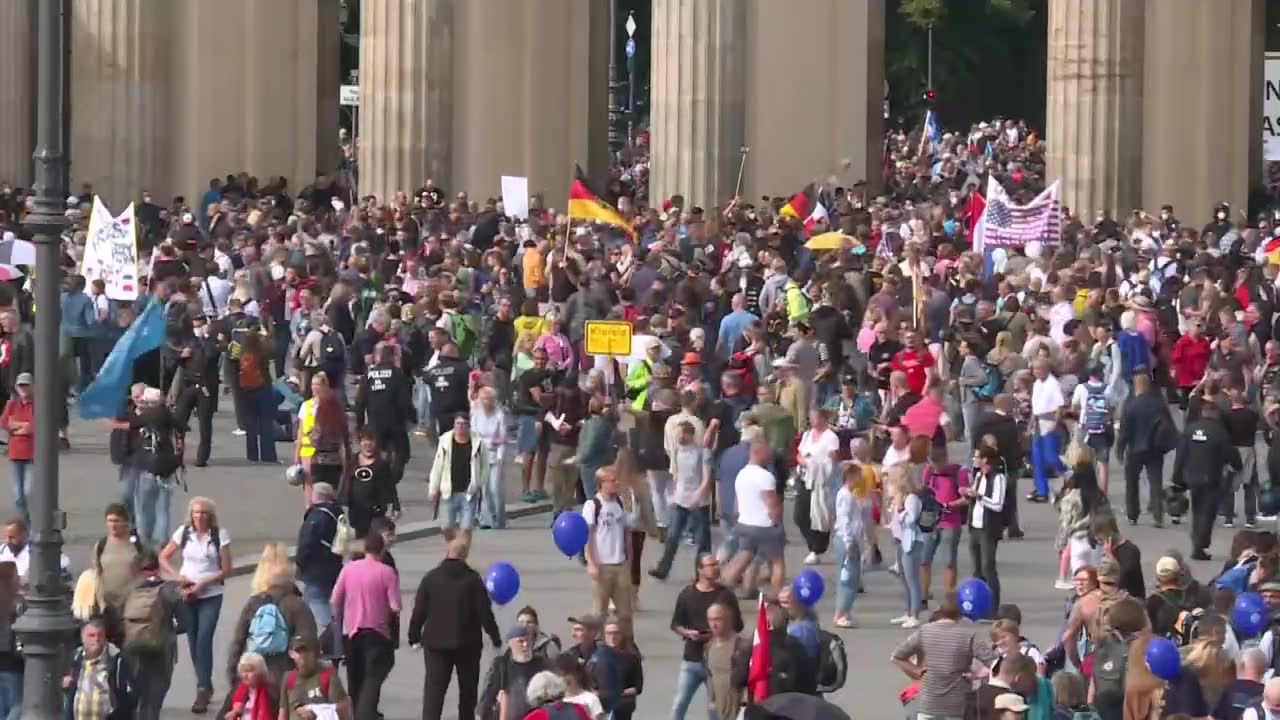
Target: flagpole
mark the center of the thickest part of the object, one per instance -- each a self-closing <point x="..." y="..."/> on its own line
<point x="742" y="164"/>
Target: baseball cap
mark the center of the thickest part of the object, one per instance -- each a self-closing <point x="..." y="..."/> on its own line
<point x="303" y="642"/>
<point x="24" y="379"/>
<point x="1270" y="586"/>
<point x="517" y="631"/>
<point x="590" y="620"/>
<point x="1011" y="701"/>
<point x="1167" y="567"/>
<point x="1109" y="569"/>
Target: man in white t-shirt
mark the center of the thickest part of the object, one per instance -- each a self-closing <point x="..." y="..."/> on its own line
<point x="1046" y="403"/>
<point x="759" y="527"/>
<point x="215" y="293"/>
<point x="17" y="551"/>
<point x="609" y="549"/>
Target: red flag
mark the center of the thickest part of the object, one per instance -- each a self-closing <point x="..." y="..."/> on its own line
<point x="761" y="657"/>
<point x="973" y="209"/>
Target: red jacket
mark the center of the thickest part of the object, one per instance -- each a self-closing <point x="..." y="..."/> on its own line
<point x="1190" y="358"/>
<point x="263" y="708"/>
<point x="21" y="447"/>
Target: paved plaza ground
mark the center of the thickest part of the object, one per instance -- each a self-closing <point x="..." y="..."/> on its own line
<point x="257" y="506"/>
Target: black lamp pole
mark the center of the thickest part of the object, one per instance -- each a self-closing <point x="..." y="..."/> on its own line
<point x="46" y="628"/>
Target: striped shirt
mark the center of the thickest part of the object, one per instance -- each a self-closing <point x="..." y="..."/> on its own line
<point x="93" y="699"/>
<point x="947" y="649"/>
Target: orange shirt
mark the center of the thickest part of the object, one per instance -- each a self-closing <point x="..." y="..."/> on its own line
<point x="535" y="275"/>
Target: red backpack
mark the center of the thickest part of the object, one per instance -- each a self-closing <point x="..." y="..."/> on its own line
<point x="326" y="674"/>
<point x="743" y="365"/>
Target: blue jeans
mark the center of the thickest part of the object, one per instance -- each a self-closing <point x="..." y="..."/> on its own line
<point x="909" y="564"/>
<point x="1044" y="458"/>
<point x="849" y="578"/>
<point x="728" y="521"/>
<point x="493" y="508"/>
<point x="692" y="676"/>
<point x="129" y="489"/>
<point x="20" y="471"/>
<point x="260" y="416"/>
<point x="10" y="695"/>
<point x="151" y="501"/>
<point x="316" y="596"/>
<point x="202" y="621"/>
<point x="698" y="520"/>
<point x="588" y="476"/>
<point x="421" y="402"/>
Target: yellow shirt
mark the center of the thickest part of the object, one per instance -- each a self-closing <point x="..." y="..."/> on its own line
<point x="531" y="325"/>
<point x="535" y="275"/>
<point x="306" y="423"/>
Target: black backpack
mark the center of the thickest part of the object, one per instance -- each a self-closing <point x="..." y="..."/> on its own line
<point x="833" y="664"/>
<point x="930" y="510"/>
<point x="333" y="352"/>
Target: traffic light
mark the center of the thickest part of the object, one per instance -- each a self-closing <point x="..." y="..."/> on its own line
<point x="930" y="96"/>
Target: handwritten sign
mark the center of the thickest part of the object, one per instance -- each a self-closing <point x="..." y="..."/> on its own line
<point x="111" y="252"/>
<point x="608" y="337"/>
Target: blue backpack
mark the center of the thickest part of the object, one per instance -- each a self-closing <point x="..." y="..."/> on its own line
<point x="995" y="382"/>
<point x="268" y="631"/>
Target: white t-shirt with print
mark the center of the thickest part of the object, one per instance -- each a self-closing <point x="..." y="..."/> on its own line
<point x="201" y="559"/>
<point x="611" y="528"/>
<point x="750" y="487"/>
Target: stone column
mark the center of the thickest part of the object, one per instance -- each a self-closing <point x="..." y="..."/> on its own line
<point x="406" y="93"/>
<point x="17" y="78"/>
<point x="120" y="97"/>
<point x="698" y="98"/>
<point x="1201" y="118"/>
<point x="1094" y="105"/>
<point x="798" y="129"/>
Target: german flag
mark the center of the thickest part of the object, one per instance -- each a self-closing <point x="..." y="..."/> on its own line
<point x="1271" y="249"/>
<point x="800" y="204"/>
<point x="585" y="203"/>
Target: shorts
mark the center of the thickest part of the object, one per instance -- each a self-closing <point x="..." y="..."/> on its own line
<point x="459" y="513"/>
<point x="527" y="434"/>
<point x="1100" y="443"/>
<point x="948" y="536"/>
<point x="765" y="543"/>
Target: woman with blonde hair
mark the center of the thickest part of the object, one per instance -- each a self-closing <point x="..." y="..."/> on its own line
<point x="205" y="549"/>
<point x="1004" y="357"/>
<point x="256" y="697"/>
<point x="633" y="487"/>
<point x="905" y="525"/>
<point x="273" y="563"/>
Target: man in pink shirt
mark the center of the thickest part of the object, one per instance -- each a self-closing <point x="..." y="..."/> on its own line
<point x="366" y="597"/>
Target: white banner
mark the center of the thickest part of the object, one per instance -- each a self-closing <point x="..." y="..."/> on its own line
<point x="1271" y="120"/>
<point x="515" y="196"/>
<point x="111" y="252"/>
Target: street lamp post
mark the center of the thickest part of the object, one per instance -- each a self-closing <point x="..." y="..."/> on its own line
<point x="615" y="112"/>
<point x="46" y="627"/>
<point x="631" y="79"/>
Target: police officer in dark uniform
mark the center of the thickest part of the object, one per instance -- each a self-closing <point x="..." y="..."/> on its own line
<point x="448" y="380"/>
<point x="1204" y="452"/>
<point x="201" y="356"/>
<point x="384" y="405"/>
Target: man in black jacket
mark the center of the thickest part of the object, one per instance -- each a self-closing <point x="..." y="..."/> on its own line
<point x="318" y="566"/>
<point x="384" y="403"/>
<point x="1204" y="450"/>
<point x="450" y="610"/>
<point x="1000" y="424"/>
<point x="448" y="379"/>
<point x="1136" y="447"/>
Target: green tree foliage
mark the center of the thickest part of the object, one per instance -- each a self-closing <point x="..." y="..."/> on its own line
<point x="988" y="59"/>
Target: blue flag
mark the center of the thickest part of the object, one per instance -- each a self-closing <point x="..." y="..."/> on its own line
<point x="105" y="397"/>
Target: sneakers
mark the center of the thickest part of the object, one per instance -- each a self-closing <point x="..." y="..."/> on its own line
<point x="1037" y="498"/>
<point x="1250" y="525"/>
<point x="844" y="622"/>
<point x="238" y="432"/>
<point x="1228" y="523"/>
<point x="811" y="559"/>
<point x="900" y="620"/>
<point x="910" y="624"/>
<point x="1062" y="584"/>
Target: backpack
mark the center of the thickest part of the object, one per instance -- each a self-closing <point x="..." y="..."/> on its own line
<point x="1110" y="665"/>
<point x="332" y="351"/>
<point x="833" y="663"/>
<point x="995" y="382"/>
<point x="1097" y="415"/>
<point x="102" y="545"/>
<point x="343" y="535"/>
<point x="215" y="537"/>
<point x="326" y="675"/>
<point x="147" y="625"/>
<point x="268" y="631"/>
<point x="463" y="336"/>
<point x="597" y="506"/>
<point x="930" y="510"/>
<point x="1186" y="624"/>
<point x="250" y="372"/>
<point x="743" y="365"/>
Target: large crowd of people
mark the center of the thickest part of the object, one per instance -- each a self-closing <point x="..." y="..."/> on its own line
<point x="894" y="391"/>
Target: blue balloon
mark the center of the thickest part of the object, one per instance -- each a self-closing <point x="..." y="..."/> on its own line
<point x="1163" y="659"/>
<point x="808" y="587"/>
<point x="975" y="599"/>
<point x="1249" y="616"/>
<point x="570" y="533"/>
<point x="503" y="582"/>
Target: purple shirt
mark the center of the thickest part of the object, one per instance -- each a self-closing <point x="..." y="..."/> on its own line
<point x="366" y="595"/>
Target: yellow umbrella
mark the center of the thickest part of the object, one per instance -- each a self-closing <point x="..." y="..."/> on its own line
<point x="826" y="241"/>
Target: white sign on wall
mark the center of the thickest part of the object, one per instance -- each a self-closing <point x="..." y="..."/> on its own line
<point x="349" y="95"/>
<point x="1271" y="120"/>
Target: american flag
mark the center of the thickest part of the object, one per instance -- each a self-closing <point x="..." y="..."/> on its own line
<point x="1005" y="223"/>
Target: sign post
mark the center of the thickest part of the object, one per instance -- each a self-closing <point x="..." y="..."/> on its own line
<point x="611" y="338"/>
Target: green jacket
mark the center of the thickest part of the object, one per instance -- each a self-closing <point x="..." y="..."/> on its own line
<point x="638" y="384"/>
<point x="595" y="442"/>
<point x="778" y="424"/>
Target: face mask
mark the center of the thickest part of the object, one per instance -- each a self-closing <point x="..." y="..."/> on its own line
<point x="1164" y="216"/>
<point x="1222" y="216"/>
